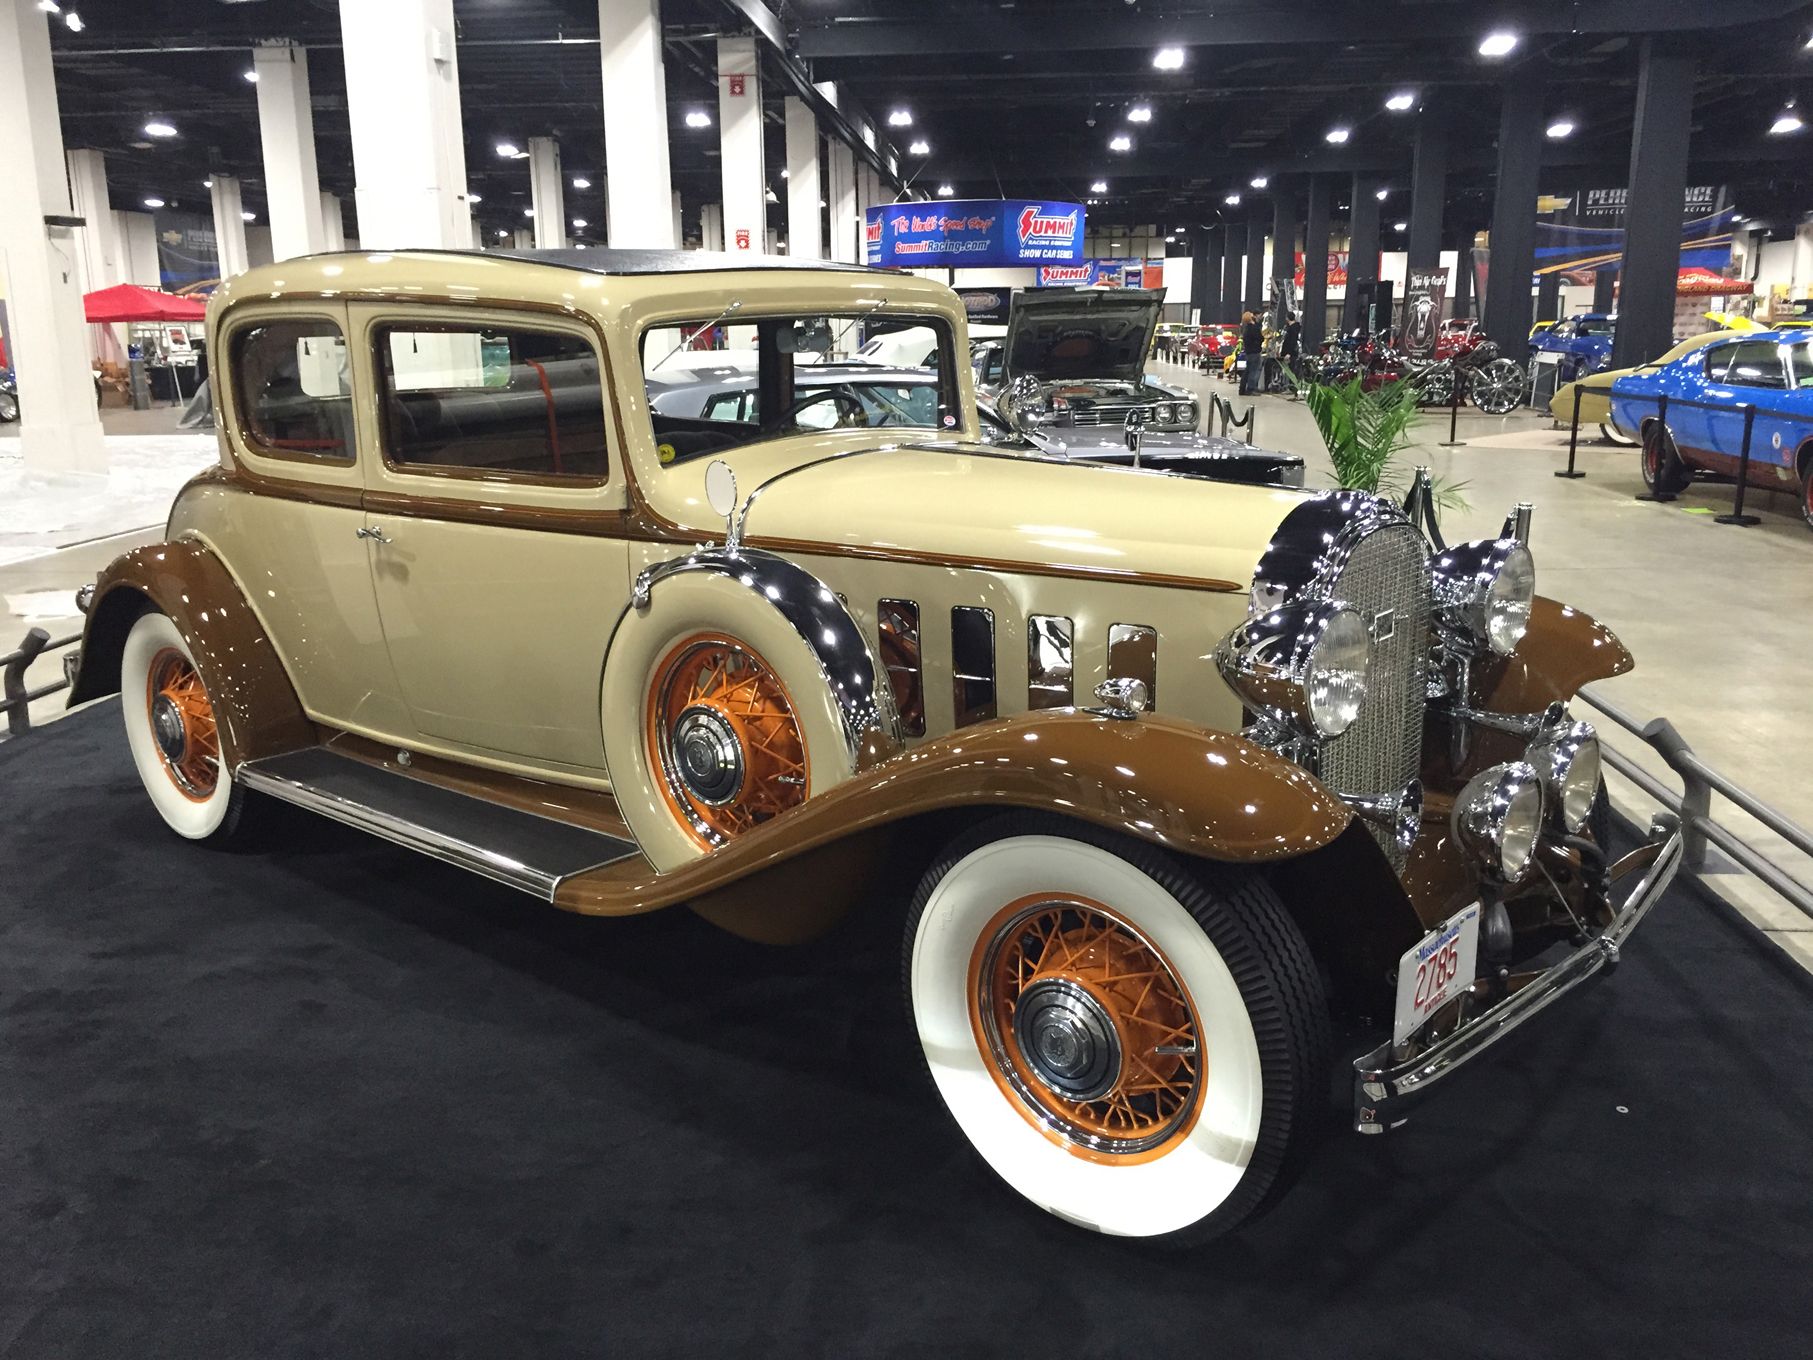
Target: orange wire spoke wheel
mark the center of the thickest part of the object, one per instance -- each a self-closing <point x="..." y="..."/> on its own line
<point x="723" y="735"/>
<point x="182" y="723"/>
<point x="1091" y="1033"/>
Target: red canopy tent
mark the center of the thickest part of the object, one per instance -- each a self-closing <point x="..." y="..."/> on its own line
<point x="129" y="302"/>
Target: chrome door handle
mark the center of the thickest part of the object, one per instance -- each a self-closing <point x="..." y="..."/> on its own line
<point x="373" y="532"/>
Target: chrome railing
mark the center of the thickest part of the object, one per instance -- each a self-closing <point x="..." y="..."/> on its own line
<point x="1699" y="781"/>
<point x="15" y="698"/>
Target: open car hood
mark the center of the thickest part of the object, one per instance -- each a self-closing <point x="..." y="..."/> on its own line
<point x="1059" y="333"/>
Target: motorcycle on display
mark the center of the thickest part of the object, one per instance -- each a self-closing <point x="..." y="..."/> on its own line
<point x="1492" y="383"/>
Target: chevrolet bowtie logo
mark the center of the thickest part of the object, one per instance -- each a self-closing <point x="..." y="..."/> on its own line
<point x="1384" y="625"/>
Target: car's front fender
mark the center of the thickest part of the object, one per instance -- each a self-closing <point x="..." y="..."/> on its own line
<point x="1563" y="649"/>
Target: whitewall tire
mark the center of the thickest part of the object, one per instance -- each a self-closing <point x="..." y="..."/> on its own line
<point x="170" y="730"/>
<point x="1132" y="1046"/>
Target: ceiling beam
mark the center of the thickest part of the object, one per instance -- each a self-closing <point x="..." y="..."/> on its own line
<point x="1016" y="31"/>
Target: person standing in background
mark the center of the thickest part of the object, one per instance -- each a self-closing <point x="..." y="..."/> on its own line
<point x="1252" y="350"/>
<point x="1290" y="353"/>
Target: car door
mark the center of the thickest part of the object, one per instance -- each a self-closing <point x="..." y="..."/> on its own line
<point x="1702" y="382"/>
<point x="289" y="411"/>
<point x="495" y="499"/>
<point x="1756" y="377"/>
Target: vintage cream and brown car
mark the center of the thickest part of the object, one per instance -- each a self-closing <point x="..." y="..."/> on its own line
<point x="1198" y="781"/>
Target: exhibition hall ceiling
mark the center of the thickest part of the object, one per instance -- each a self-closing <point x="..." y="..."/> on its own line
<point x="1026" y="98"/>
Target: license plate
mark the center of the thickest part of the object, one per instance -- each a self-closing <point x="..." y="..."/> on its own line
<point x="1435" y="971"/>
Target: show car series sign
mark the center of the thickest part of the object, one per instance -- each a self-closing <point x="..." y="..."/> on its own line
<point x="973" y="233"/>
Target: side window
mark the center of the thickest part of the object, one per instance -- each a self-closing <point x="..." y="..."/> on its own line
<point x="1757" y="364"/>
<point x="1718" y="362"/>
<point x="500" y="400"/>
<point x="1800" y="359"/>
<point x="293" y="391"/>
<point x="729" y="406"/>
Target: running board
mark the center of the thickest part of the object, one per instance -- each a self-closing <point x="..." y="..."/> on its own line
<point x="515" y="848"/>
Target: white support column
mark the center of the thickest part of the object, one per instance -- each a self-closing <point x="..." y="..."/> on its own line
<point x="229" y="226"/>
<point x="679" y="229"/>
<point x="97" y="241"/>
<point x="840" y="195"/>
<point x="740" y="161"/>
<point x="711" y="227"/>
<point x="635" y="124"/>
<point x="805" y="238"/>
<point x="547" y="191"/>
<point x="60" y="429"/>
<point x="286" y="125"/>
<point x="333" y="222"/>
<point x="524" y="239"/>
<point x="403" y="101"/>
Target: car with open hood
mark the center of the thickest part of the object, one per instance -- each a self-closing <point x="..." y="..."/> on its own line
<point x="1077" y="356"/>
<point x="1179" y="792"/>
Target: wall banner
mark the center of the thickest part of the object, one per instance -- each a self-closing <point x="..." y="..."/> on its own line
<point x="974" y="233"/>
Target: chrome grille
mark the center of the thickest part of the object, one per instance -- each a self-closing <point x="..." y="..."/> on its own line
<point x="1387" y="579"/>
<point x="1102" y="413"/>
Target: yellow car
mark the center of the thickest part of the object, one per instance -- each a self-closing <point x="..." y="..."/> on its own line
<point x="1596" y="390"/>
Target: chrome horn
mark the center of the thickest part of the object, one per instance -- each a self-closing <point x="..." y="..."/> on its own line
<point x="1400" y="813"/>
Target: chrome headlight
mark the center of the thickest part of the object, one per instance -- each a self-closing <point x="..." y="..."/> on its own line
<point x="1305" y="663"/>
<point x="1483" y="592"/>
<point x="1188" y="412"/>
<point x="1567" y="758"/>
<point x="1498" y="817"/>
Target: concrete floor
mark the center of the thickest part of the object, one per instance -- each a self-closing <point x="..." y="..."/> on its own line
<point x="1714" y="614"/>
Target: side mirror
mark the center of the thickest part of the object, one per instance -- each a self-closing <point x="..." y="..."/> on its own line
<point x="721" y="496"/>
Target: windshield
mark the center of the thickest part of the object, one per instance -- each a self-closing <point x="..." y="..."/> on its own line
<point x="769" y="377"/>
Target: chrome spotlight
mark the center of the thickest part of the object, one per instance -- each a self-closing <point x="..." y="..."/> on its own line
<point x="1498" y="817"/>
<point x="1566" y="755"/>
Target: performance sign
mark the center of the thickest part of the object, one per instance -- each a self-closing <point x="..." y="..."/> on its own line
<point x="1584" y="233"/>
<point x="982" y="233"/>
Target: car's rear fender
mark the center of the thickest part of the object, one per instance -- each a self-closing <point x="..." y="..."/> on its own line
<point x="255" y="703"/>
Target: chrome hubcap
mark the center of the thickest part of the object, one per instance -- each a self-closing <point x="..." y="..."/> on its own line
<point x="708" y="755"/>
<point x="1068" y="1039"/>
<point x="168" y="727"/>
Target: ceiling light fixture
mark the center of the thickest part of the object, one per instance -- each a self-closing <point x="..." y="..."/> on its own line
<point x="1259" y="181"/>
<point x="50" y="6"/>
<point x="1120" y="142"/>
<point x="920" y="148"/>
<point x="249" y="216"/>
<point x="1099" y="186"/>
<point x="508" y="150"/>
<point x="579" y="182"/>
<point x="1561" y="128"/>
<point x="1140" y="113"/>
<point x="1382" y="195"/>
<point x="1499" y="43"/>
<point x="74" y="21"/>
<point x="501" y="232"/>
<point x="945" y="191"/>
<point x="698" y="118"/>
<point x="1786" y="121"/>
<point x="900" y="118"/>
<point x="1168" y="59"/>
<point x="1400" y="226"/>
<point x="251" y="76"/>
<point x="154" y="203"/>
<point x="579" y="224"/>
<point x="1337" y="135"/>
<point x="528" y="212"/>
<point x="1402" y="100"/>
<point x="1232" y="200"/>
<point x="157" y="129"/>
<point x="473" y="198"/>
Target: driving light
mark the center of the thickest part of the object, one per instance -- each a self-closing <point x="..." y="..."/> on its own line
<point x="1498" y="816"/>
<point x="1567" y="758"/>
<point x="1304" y="664"/>
<point x="1483" y="592"/>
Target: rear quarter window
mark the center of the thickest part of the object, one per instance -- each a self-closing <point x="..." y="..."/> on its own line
<point x="292" y="389"/>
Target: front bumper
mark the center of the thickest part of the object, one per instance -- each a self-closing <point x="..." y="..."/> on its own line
<point x="1386" y="1088"/>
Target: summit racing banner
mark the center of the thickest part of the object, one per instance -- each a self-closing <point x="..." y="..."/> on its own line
<point x="1135" y="273"/>
<point x="987" y="233"/>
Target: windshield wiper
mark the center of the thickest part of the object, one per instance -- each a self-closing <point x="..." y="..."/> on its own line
<point x="686" y="339"/>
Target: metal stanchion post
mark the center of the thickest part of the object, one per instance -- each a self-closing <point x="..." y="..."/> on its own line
<point x="1737" y="515"/>
<point x="1452" y="441"/>
<point x="1573" y="438"/>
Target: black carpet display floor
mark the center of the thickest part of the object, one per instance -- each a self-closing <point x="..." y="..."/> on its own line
<point x="332" y="1098"/>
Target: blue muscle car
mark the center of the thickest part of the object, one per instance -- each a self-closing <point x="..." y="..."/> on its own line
<point x="1580" y="345"/>
<point x="1771" y="371"/>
